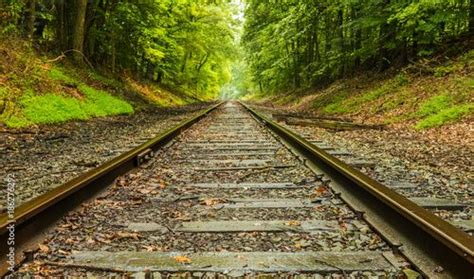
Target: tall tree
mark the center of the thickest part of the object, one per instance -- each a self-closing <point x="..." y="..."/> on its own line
<point x="299" y="44"/>
<point x="78" y="34"/>
<point x="30" y="21"/>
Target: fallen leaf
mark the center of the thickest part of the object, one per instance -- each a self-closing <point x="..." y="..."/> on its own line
<point x="212" y="201"/>
<point x="63" y="252"/>
<point x="127" y="235"/>
<point x="182" y="259"/>
<point x="43" y="248"/>
<point x="90" y="241"/>
<point x="293" y="223"/>
<point x="344" y="226"/>
<point x="321" y="191"/>
<point x="146" y="191"/>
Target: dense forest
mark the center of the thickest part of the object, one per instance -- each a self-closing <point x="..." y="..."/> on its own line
<point x="276" y="46"/>
<point x="299" y="44"/>
<point x="183" y="44"/>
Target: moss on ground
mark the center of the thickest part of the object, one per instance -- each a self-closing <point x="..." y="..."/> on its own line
<point x="441" y="109"/>
<point x="35" y="91"/>
<point x="421" y="96"/>
<point x="53" y="108"/>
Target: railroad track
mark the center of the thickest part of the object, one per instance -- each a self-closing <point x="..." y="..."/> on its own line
<point x="454" y="207"/>
<point x="231" y="193"/>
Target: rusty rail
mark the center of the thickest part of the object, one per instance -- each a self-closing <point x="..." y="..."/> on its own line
<point x="34" y="217"/>
<point x="423" y="238"/>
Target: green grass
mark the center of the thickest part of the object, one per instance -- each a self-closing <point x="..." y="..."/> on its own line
<point x="435" y="104"/>
<point x="57" y="74"/>
<point x="439" y="110"/>
<point x="353" y="104"/>
<point x="100" y="103"/>
<point x="53" y="108"/>
<point x="105" y="80"/>
<point x="445" y="116"/>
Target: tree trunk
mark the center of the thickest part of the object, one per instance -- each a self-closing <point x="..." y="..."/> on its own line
<point x="386" y="36"/>
<point x="315" y="46"/>
<point x="328" y="39"/>
<point x="30" y="22"/>
<point x="78" y="34"/>
<point x="471" y="18"/>
<point x="113" y="54"/>
<point x="202" y="63"/>
<point x="187" y="55"/>
<point x="357" y="39"/>
<point x="60" y="25"/>
<point x="90" y="29"/>
<point x="340" y="34"/>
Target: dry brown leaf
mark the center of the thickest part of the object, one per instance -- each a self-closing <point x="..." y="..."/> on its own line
<point x="212" y="201"/>
<point x="128" y="235"/>
<point x="70" y="241"/>
<point x="321" y="191"/>
<point x="145" y="191"/>
<point x="90" y="241"/>
<point x="182" y="259"/>
<point x="344" y="226"/>
<point x="43" y="248"/>
<point x="293" y="223"/>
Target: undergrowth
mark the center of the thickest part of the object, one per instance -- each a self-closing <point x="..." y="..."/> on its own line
<point x="427" y="94"/>
<point x="52" y="108"/>
<point x="441" y="109"/>
<point x="34" y="90"/>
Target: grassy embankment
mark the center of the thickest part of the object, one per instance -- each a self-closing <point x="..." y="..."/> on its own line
<point x="423" y="95"/>
<point x="36" y="89"/>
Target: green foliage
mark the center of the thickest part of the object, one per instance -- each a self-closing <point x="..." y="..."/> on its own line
<point x="100" y="103"/>
<point x="300" y="44"/>
<point x="402" y="79"/>
<point x="110" y="82"/>
<point x="445" y="115"/>
<point x="10" y="14"/>
<point x="348" y="104"/>
<point x="52" y="108"/>
<point x="17" y="122"/>
<point x="3" y="92"/>
<point x="186" y="45"/>
<point x="441" y="109"/>
<point x="435" y="104"/>
<point x="58" y="74"/>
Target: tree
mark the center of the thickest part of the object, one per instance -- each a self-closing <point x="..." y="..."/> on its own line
<point x="78" y="34"/>
<point x="182" y="44"/>
<point x="299" y="44"/>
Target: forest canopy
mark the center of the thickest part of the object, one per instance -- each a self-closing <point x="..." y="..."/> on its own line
<point x="294" y="44"/>
<point x="209" y="47"/>
<point x="180" y="43"/>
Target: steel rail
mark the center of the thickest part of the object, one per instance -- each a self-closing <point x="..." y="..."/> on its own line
<point x="36" y="216"/>
<point x="423" y="238"/>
